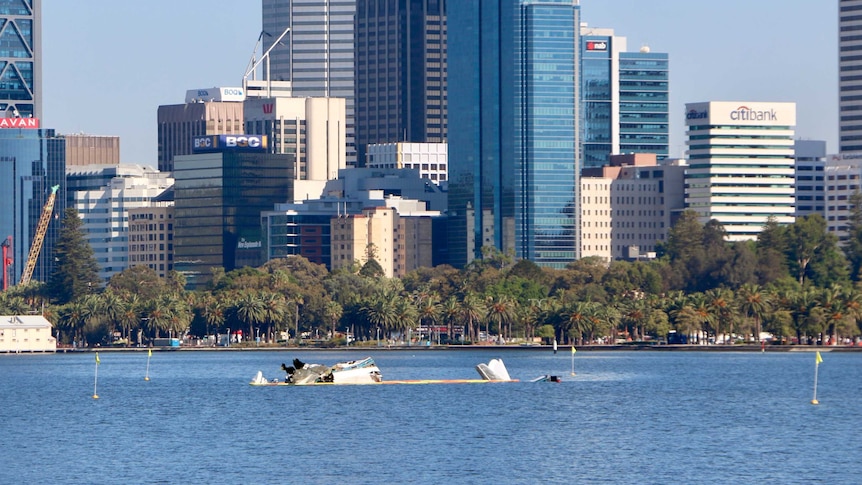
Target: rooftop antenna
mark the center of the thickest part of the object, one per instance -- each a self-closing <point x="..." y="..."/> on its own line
<point x="265" y="55"/>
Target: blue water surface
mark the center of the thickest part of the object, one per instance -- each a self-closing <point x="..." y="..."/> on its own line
<point x="625" y="417"/>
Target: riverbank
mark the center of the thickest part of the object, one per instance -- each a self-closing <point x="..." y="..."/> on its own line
<point x="424" y="348"/>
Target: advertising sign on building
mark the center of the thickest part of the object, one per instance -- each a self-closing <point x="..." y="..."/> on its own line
<point x="215" y="94"/>
<point x="597" y="45"/>
<point x="740" y="113"/>
<point x="219" y="143"/>
<point x="27" y="123"/>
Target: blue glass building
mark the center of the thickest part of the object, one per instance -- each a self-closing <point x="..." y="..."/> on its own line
<point x="20" y="58"/>
<point x="31" y="162"/>
<point x="625" y="99"/>
<point x="514" y="129"/>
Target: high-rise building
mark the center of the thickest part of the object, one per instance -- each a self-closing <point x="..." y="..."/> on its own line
<point x="84" y="149"/>
<point x="103" y="196"/>
<point x="514" y="129"/>
<point x="208" y="111"/>
<point x="151" y="237"/>
<point x="431" y="159"/>
<point x="32" y="160"/>
<point x="219" y="194"/>
<point x="316" y="55"/>
<point x="741" y="164"/>
<point x="850" y="80"/>
<point x="625" y="98"/>
<point x="810" y="161"/>
<point x="21" y="58"/>
<point x="400" y="72"/>
<point x="310" y="129"/>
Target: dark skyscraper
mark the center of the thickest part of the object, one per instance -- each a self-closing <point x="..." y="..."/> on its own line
<point x="514" y="129"/>
<point x="400" y="66"/>
<point x="20" y="58"/>
<point x="850" y="83"/>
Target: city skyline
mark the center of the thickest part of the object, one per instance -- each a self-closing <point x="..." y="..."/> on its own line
<point x="110" y="80"/>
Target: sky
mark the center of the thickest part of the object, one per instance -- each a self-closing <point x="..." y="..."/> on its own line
<point x="107" y="65"/>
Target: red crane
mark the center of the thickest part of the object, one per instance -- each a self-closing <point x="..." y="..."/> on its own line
<point x="7" y="260"/>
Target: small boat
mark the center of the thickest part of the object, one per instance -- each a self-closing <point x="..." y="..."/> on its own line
<point x="365" y="371"/>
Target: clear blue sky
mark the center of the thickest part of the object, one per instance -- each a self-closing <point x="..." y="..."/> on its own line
<point x="108" y="64"/>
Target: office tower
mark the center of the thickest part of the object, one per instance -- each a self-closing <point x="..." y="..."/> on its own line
<point x="514" y="129"/>
<point x="740" y="157"/>
<point x="219" y="194"/>
<point x="810" y="158"/>
<point x="103" y="197"/>
<point x="84" y="149"/>
<point x="208" y="111"/>
<point x="316" y="55"/>
<point x="32" y="160"/>
<point x="625" y="98"/>
<point x="400" y="72"/>
<point x="850" y="80"/>
<point x="431" y="159"/>
<point x="310" y="129"/>
<point x="627" y="206"/>
<point x="21" y="58"/>
<point x="151" y="237"/>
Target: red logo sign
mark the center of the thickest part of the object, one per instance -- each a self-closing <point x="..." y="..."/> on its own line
<point x="267" y="108"/>
<point x="31" y="123"/>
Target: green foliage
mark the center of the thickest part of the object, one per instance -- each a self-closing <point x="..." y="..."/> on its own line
<point x="76" y="271"/>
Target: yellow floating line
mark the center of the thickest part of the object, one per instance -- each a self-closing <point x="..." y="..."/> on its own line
<point x="401" y="382"/>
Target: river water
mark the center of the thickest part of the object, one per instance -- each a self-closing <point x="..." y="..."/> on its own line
<point x="625" y="417"/>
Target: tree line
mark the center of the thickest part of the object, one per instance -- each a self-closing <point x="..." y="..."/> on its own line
<point x="796" y="282"/>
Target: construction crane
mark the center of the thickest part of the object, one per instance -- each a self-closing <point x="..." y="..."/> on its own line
<point x="39" y="237"/>
<point x="7" y="260"/>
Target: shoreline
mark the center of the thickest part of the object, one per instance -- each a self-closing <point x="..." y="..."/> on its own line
<point x="546" y="348"/>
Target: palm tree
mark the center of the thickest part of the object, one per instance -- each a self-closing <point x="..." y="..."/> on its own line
<point x="275" y="310"/>
<point x="579" y="317"/>
<point x="500" y="311"/>
<point x="428" y="309"/>
<point x="214" y="313"/>
<point x="472" y="310"/>
<point x="381" y="313"/>
<point x="719" y="301"/>
<point x="332" y="312"/>
<point x="806" y="311"/>
<point x="250" y="310"/>
<point x="449" y="312"/>
<point x="754" y="304"/>
<point x="405" y="315"/>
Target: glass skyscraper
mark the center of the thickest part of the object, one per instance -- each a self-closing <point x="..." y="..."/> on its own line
<point x="317" y="55"/>
<point x="514" y="95"/>
<point x="31" y="162"/>
<point x="20" y="58"/>
<point x="400" y="72"/>
<point x="625" y="98"/>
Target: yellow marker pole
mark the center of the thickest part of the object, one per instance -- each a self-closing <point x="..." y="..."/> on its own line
<point x="96" y="378"/>
<point x="573" y="359"/>
<point x="149" y="354"/>
<point x="817" y="361"/>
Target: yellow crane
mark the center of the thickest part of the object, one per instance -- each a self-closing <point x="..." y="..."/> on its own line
<point x="39" y="237"/>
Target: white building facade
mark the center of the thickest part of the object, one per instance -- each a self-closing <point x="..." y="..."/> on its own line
<point x="431" y="159"/>
<point x="312" y="129"/>
<point x="26" y="333"/>
<point x="103" y="198"/>
<point x="741" y="164"/>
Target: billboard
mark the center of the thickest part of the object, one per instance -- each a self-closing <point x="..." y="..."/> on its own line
<point x="597" y="45"/>
<point x="27" y="123"/>
<point x="215" y="94"/>
<point x="220" y="143"/>
<point x="740" y="113"/>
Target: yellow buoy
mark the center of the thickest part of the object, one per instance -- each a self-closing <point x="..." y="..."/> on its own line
<point x="146" y="378"/>
<point x="815" y="401"/>
<point x="95" y="396"/>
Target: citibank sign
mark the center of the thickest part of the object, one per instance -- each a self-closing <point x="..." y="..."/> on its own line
<point x="744" y="113"/>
